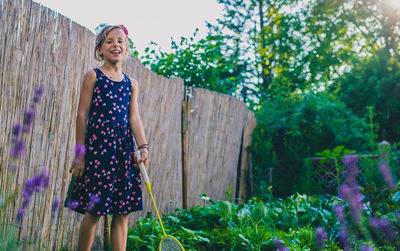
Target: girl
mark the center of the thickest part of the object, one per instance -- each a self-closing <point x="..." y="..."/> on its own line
<point x="107" y="180"/>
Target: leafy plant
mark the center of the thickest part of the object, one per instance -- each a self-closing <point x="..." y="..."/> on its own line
<point x="336" y="155"/>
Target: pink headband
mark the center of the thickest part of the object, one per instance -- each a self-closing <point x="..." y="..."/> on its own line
<point x="124" y="28"/>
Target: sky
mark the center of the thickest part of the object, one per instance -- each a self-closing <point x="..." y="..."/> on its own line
<point x="146" y="20"/>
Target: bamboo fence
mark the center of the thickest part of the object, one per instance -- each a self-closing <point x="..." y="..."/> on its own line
<point x="196" y="141"/>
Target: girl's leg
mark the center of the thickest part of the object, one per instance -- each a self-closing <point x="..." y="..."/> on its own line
<point x="119" y="232"/>
<point x="86" y="231"/>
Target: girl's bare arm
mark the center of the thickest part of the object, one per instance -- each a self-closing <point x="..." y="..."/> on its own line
<point x="134" y="116"/>
<point x="89" y="80"/>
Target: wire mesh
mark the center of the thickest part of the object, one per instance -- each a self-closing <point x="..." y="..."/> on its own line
<point x="168" y="243"/>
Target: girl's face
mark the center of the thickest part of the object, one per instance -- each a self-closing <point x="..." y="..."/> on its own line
<point x="114" y="47"/>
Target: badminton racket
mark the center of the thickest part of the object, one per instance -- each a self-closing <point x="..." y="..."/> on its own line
<point x="168" y="242"/>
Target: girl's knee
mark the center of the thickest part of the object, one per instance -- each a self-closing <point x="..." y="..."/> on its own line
<point x="120" y="218"/>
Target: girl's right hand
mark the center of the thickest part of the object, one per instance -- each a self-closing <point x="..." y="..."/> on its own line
<point x="77" y="168"/>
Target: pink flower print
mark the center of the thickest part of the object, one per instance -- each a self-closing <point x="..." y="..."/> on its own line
<point x="106" y="204"/>
<point x="124" y="94"/>
<point x="111" y="163"/>
<point x="108" y="199"/>
<point x="105" y="186"/>
<point x="113" y="118"/>
<point x="94" y="188"/>
<point x="129" y="208"/>
<point x="105" y="140"/>
<point x="100" y="183"/>
<point x="120" y="99"/>
<point x="95" y="152"/>
<point x="100" y="100"/>
<point x="97" y="104"/>
<point x="107" y="81"/>
<point x="94" y="113"/>
<point x="108" y="177"/>
<point x="101" y="115"/>
<point x="110" y="112"/>
<point x="137" y="203"/>
<point x="120" y="90"/>
<point x="114" y="104"/>
<point x="115" y="96"/>
<point x="105" y="86"/>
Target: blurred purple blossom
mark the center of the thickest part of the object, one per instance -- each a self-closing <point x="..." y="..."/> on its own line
<point x="350" y="162"/>
<point x="38" y="94"/>
<point x="383" y="226"/>
<point x="35" y="184"/>
<point x="386" y="174"/>
<point x="343" y="239"/>
<point x="80" y="151"/>
<point x="321" y="237"/>
<point x="20" y="214"/>
<point x="54" y="207"/>
<point x="18" y="148"/>
<point x="352" y="194"/>
<point x="279" y="246"/>
<point x="366" y="248"/>
<point x="29" y="116"/>
<point x="17" y="129"/>
<point x="93" y="201"/>
<point x="339" y="210"/>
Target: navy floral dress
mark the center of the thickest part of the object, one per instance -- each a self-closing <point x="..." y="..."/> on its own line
<point x="111" y="182"/>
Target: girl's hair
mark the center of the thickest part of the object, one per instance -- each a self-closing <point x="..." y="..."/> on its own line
<point x="101" y="36"/>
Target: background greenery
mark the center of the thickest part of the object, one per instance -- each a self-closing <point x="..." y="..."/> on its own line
<point x="317" y="73"/>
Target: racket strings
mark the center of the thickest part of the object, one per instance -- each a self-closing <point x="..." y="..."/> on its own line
<point x="170" y="244"/>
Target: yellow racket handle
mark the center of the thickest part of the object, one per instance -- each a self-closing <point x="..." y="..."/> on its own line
<point x="147" y="183"/>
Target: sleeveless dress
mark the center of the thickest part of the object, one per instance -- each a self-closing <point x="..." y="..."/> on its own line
<point x="111" y="182"/>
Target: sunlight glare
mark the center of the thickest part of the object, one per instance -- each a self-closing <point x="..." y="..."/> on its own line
<point x="393" y="3"/>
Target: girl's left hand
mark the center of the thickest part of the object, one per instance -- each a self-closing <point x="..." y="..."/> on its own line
<point x="144" y="156"/>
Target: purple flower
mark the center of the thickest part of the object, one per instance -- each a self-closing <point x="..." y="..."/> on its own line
<point x="54" y="207"/>
<point x="18" y="149"/>
<point x="38" y="94"/>
<point x="350" y="162"/>
<point x="93" y="201"/>
<point x="321" y="237"/>
<point x="386" y="174"/>
<point x="339" y="210"/>
<point x="21" y="212"/>
<point x="366" y="248"/>
<point x="29" y="116"/>
<point x="80" y="149"/>
<point x="279" y="246"/>
<point x="383" y="226"/>
<point x="351" y="193"/>
<point x="17" y="128"/>
<point x="72" y="204"/>
<point x="343" y="239"/>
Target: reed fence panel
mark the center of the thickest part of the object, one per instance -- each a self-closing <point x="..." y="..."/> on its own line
<point x="40" y="46"/>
